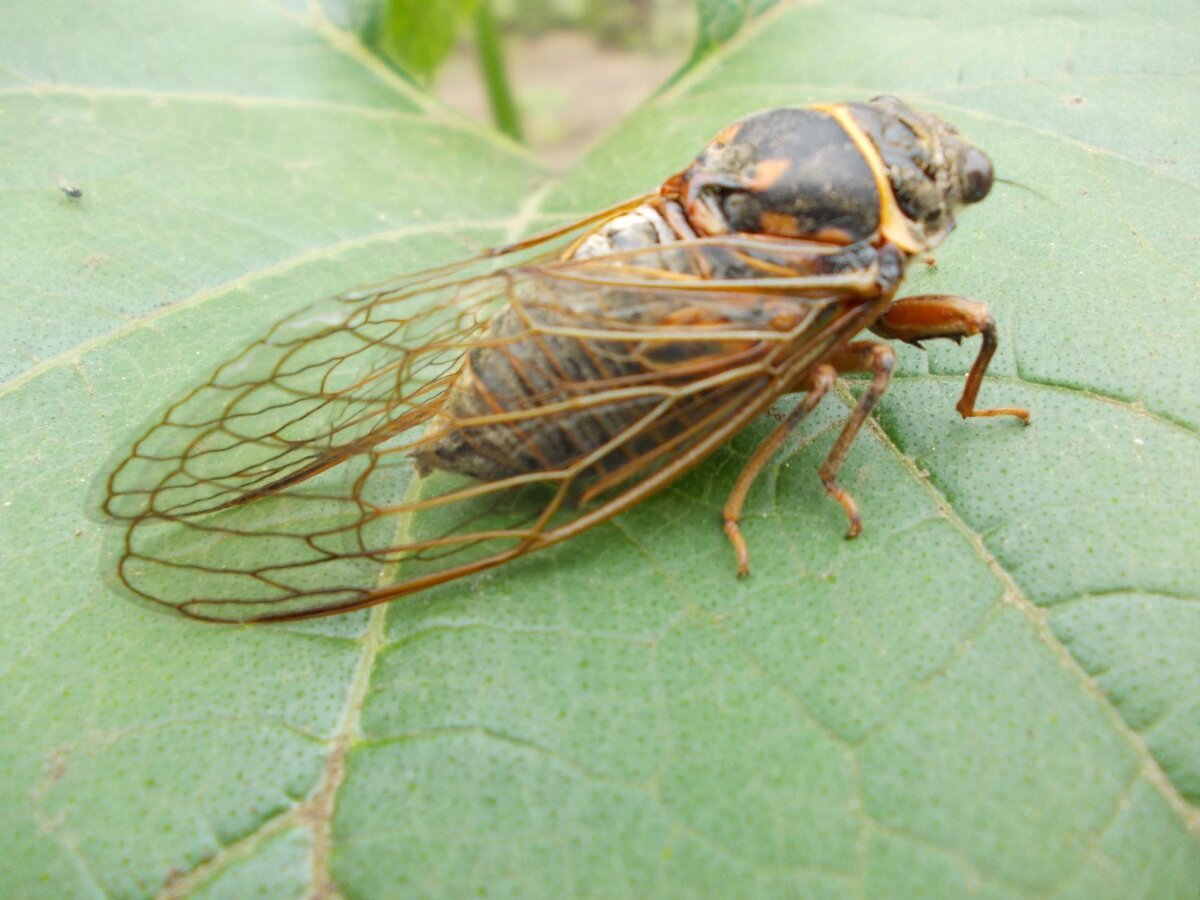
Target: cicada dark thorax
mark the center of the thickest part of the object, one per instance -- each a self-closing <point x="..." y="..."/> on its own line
<point x="793" y="173"/>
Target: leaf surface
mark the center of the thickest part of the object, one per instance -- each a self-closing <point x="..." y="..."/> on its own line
<point x="417" y="34"/>
<point x="992" y="691"/>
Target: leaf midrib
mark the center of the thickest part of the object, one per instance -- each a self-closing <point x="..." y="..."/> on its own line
<point x="1015" y="595"/>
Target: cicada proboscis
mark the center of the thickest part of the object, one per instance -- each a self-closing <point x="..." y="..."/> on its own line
<point x="395" y="438"/>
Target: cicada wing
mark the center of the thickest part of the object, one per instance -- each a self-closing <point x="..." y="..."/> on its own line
<point x="322" y="384"/>
<point x="372" y="529"/>
<point x="621" y="376"/>
<point x="315" y="390"/>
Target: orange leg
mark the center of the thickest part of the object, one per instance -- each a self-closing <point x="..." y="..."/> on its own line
<point x="820" y="382"/>
<point x="914" y="319"/>
<point x="861" y="356"/>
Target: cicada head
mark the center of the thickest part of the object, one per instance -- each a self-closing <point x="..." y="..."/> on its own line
<point x="839" y="173"/>
<point x="932" y="169"/>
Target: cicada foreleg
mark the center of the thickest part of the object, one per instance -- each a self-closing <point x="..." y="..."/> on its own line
<point x="915" y="319"/>
<point x="860" y="356"/>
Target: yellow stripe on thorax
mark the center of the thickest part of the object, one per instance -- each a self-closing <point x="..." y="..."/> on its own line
<point x="894" y="225"/>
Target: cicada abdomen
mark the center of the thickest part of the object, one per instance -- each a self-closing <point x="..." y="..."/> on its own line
<point x="579" y="360"/>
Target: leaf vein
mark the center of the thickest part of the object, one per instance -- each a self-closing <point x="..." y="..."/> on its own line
<point x="1037" y="617"/>
<point x="145" y="320"/>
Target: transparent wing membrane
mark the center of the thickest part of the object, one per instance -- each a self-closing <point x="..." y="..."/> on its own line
<point x="383" y="441"/>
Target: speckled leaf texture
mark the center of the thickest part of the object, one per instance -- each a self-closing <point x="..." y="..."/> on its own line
<point x="994" y="692"/>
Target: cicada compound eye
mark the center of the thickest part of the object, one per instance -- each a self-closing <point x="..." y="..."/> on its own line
<point x="977" y="176"/>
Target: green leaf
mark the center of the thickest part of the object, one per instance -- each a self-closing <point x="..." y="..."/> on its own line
<point x="418" y="34"/>
<point x="993" y="691"/>
<point x="720" y="20"/>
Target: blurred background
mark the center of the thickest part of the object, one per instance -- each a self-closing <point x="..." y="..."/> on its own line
<point x="555" y="74"/>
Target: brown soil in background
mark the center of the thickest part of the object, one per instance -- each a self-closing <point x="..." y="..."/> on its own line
<point x="570" y="89"/>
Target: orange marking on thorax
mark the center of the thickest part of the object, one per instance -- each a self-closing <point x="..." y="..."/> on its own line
<point x="780" y="224"/>
<point x="833" y="235"/>
<point x="728" y="133"/>
<point x="766" y="173"/>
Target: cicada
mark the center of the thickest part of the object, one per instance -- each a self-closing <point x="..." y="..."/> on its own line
<point x="395" y="438"/>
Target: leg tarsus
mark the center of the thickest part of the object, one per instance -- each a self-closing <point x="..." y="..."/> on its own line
<point x="741" y="550"/>
<point x="842" y="496"/>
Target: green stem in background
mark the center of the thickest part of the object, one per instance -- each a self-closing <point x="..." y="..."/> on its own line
<point x="491" y="64"/>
